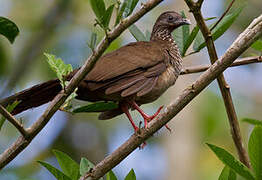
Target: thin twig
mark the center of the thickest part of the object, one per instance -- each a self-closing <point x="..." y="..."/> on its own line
<point x="21" y="143"/>
<point x="13" y="121"/>
<point x="220" y="19"/>
<point x="224" y="87"/>
<point x="244" y="40"/>
<point x="239" y="62"/>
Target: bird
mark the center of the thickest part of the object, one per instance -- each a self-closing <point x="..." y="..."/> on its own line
<point x="135" y="74"/>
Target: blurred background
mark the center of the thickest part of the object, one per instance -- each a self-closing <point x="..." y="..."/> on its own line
<point x="63" y="27"/>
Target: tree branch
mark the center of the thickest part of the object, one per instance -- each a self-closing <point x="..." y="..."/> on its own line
<point x="224" y="87"/>
<point x="245" y="39"/>
<point x="21" y="143"/>
<point x="13" y="121"/>
<point x="239" y="62"/>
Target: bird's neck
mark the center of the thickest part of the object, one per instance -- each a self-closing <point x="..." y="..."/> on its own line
<point x="163" y="34"/>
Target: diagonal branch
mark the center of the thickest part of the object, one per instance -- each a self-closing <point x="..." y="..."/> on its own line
<point x="13" y="121"/>
<point x="224" y="87"/>
<point x="21" y="143"/>
<point x="245" y="39"/>
<point x="239" y="62"/>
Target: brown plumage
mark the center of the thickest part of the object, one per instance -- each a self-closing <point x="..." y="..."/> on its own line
<point x="135" y="74"/>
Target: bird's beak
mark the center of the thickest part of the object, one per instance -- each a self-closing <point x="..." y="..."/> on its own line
<point x="185" y="22"/>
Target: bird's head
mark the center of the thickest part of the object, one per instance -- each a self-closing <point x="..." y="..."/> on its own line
<point x="168" y="21"/>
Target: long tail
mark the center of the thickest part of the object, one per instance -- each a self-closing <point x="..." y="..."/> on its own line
<point x="34" y="96"/>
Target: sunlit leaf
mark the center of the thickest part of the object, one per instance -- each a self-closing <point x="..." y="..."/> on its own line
<point x="8" y="29"/>
<point x="85" y="166"/>
<point x="131" y="175"/>
<point x="227" y="174"/>
<point x="135" y="31"/>
<point x="56" y="172"/>
<point x="67" y="164"/>
<point x="99" y="8"/>
<point x="125" y="9"/>
<point x="255" y="150"/>
<point x="59" y="67"/>
<point x="107" y="16"/>
<point x="111" y="176"/>
<point x="96" y="107"/>
<point x="231" y="162"/>
<point x="252" y="121"/>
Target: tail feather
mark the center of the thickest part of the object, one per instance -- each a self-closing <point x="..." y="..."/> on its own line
<point x="34" y="96"/>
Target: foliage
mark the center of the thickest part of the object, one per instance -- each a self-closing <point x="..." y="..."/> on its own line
<point x="227" y="174"/>
<point x="96" y="107"/>
<point x="8" y="29"/>
<point x="72" y="171"/>
<point x="59" y="67"/>
<point x="255" y="155"/>
<point x="219" y="30"/>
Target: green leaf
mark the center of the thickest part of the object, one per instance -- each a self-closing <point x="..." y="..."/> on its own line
<point x="92" y="43"/>
<point x="59" y="67"/>
<point x="57" y="173"/>
<point x="257" y="45"/>
<point x="8" y="29"/>
<point x="111" y="176"/>
<point x="96" y="107"/>
<point x="148" y="35"/>
<point x="131" y="175"/>
<point x="227" y="174"/>
<point x="181" y="35"/>
<point x="255" y="150"/>
<point x="107" y="16"/>
<point x="137" y="33"/>
<point x="125" y="9"/>
<point x="68" y="165"/>
<point x="231" y="162"/>
<point x="85" y="166"/>
<point x="131" y="4"/>
<point x="99" y="8"/>
<point x="252" y="121"/>
<point x="218" y="31"/>
<point x="9" y="108"/>
<point x="190" y="39"/>
<point x="210" y="18"/>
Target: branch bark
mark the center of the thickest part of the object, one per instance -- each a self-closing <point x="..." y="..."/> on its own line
<point x="244" y="40"/>
<point x="13" y="121"/>
<point x="21" y="143"/>
<point x="239" y="62"/>
<point x="223" y="85"/>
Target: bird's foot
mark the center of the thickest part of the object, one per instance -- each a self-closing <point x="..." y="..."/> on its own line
<point x="142" y="145"/>
<point x="150" y="118"/>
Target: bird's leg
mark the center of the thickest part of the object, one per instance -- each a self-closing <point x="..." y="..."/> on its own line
<point x="146" y="117"/>
<point x="124" y="108"/>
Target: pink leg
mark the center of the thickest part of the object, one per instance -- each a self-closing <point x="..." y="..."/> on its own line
<point x="146" y="117"/>
<point x="124" y="108"/>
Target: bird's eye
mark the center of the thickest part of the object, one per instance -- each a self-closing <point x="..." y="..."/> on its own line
<point x="170" y="18"/>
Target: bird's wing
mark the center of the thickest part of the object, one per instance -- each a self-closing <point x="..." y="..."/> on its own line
<point x="129" y="58"/>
